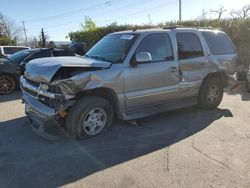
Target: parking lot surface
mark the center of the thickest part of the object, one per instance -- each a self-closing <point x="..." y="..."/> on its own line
<point x="183" y="148"/>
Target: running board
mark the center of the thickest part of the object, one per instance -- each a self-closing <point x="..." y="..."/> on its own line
<point x="152" y="110"/>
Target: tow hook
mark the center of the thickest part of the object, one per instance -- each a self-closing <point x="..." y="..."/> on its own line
<point x="62" y="113"/>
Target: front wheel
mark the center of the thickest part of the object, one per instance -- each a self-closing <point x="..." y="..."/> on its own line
<point x="210" y="94"/>
<point x="90" y="116"/>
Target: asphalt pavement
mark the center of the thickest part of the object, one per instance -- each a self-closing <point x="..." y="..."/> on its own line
<point x="182" y="148"/>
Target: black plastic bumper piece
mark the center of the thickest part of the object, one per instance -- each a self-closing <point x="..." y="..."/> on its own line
<point x="42" y="118"/>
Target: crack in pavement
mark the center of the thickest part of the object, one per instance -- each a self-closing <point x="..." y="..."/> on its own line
<point x="166" y="159"/>
<point x="209" y="157"/>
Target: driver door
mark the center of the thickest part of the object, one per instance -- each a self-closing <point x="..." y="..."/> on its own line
<point x="154" y="82"/>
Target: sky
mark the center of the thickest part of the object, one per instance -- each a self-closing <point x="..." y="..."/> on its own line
<point x="59" y="17"/>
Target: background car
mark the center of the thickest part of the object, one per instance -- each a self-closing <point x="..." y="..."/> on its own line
<point x="9" y="50"/>
<point x="13" y="66"/>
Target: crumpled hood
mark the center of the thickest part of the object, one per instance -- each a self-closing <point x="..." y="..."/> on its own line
<point x="43" y="69"/>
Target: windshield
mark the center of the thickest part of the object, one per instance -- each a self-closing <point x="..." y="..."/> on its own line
<point x="19" y="56"/>
<point x="112" y="48"/>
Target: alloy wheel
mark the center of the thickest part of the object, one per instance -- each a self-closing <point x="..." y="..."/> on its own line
<point x="213" y="94"/>
<point x="94" y="121"/>
<point x="7" y="85"/>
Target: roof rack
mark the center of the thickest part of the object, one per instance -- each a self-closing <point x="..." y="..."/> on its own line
<point x="171" y="27"/>
<point x="195" y="26"/>
<point x="209" y="27"/>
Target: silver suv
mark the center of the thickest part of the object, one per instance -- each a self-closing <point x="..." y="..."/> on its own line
<point x="129" y="74"/>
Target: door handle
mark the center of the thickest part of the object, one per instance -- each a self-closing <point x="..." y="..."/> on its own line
<point x="202" y="64"/>
<point x="173" y="69"/>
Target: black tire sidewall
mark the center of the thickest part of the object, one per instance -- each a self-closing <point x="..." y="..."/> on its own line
<point x="79" y="111"/>
<point x="202" y="98"/>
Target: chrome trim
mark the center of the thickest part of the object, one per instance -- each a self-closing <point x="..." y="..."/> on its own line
<point x="152" y="94"/>
<point x="38" y="90"/>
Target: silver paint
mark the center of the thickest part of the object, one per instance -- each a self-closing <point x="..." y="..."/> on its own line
<point x="141" y="86"/>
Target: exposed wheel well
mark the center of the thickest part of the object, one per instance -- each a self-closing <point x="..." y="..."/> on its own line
<point x="106" y="93"/>
<point x="219" y="75"/>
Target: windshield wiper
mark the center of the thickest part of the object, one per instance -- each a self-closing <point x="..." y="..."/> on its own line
<point x="98" y="58"/>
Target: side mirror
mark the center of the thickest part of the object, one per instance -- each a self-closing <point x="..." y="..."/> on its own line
<point x="143" y="57"/>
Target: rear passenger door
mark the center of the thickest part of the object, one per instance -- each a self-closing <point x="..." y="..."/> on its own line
<point x="193" y="63"/>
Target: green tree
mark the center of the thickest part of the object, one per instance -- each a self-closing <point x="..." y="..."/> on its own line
<point x="10" y="33"/>
<point x="4" y="40"/>
<point x="88" y="24"/>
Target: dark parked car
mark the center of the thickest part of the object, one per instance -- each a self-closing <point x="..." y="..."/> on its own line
<point x="13" y="66"/>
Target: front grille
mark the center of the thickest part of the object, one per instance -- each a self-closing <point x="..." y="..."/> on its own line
<point x="52" y="97"/>
<point x="29" y="91"/>
<point x="34" y="83"/>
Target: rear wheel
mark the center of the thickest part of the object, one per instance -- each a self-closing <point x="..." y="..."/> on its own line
<point x="7" y="84"/>
<point x="90" y="116"/>
<point x="211" y="93"/>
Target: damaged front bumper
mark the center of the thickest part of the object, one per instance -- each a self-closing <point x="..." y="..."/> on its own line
<point x="43" y="108"/>
<point x="40" y="117"/>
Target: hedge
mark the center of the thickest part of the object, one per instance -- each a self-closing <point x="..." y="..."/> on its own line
<point x="237" y="29"/>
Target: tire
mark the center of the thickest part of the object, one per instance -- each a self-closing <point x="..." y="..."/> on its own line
<point x="90" y="116"/>
<point x="248" y="86"/>
<point x="7" y="84"/>
<point x="210" y="94"/>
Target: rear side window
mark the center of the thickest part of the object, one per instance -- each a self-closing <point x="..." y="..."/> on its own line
<point x="158" y="45"/>
<point x="218" y="43"/>
<point x="40" y="54"/>
<point x="189" y="46"/>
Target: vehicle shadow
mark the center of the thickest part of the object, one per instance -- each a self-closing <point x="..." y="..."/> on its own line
<point x="14" y="96"/>
<point x="27" y="160"/>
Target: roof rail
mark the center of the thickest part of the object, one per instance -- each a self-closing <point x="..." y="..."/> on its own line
<point x="195" y="26"/>
<point x="171" y="27"/>
<point x="209" y="27"/>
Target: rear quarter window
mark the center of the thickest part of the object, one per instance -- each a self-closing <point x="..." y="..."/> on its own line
<point x="218" y="43"/>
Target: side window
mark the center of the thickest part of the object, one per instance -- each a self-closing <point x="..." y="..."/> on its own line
<point x="218" y="43"/>
<point x="189" y="46"/>
<point x="158" y="45"/>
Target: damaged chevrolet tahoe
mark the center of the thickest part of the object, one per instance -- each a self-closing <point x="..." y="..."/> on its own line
<point x="130" y="74"/>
